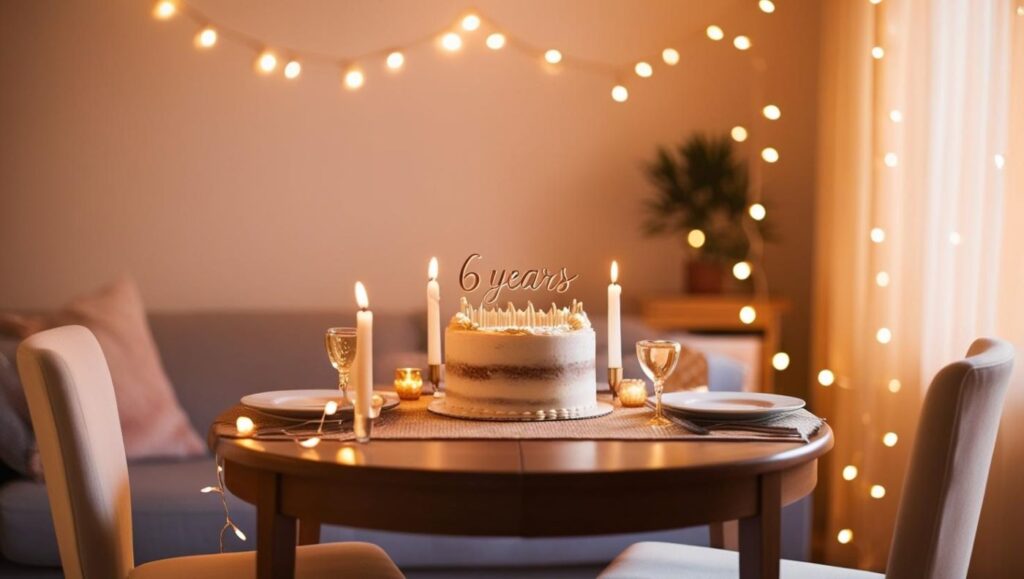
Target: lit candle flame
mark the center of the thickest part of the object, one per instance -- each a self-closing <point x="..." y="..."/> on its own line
<point x="432" y="270"/>
<point x="615" y="272"/>
<point x="361" y="298"/>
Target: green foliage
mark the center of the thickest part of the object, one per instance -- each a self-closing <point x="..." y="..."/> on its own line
<point x="702" y="186"/>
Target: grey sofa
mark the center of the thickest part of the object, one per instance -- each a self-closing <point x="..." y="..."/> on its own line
<point x="214" y="358"/>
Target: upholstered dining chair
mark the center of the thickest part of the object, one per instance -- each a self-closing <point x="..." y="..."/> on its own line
<point x="942" y="495"/>
<point x="74" y="414"/>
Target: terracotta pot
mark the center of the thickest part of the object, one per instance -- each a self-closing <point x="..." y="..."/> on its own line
<point x="703" y="277"/>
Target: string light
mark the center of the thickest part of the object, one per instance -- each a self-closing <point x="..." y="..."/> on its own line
<point x="354" y="79"/>
<point x="741" y="270"/>
<point x="206" y="37"/>
<point x="696" y="238"/>
<point x="643" y="69"/>
<point x="826" y="378"/>
<point x="715" y="33"/>
<point x="883" y="335"/>
<point x="877" y="52"/>
<point x="741" y="42"/>
<point x="877" y="491"/>
<point x="895" y="385"/>
<point x="670" y="56"/>
<point x="999" y="160"/>
<point x="738" y="133"/>
<point x="553" y="56"/>
<point x="748" y="314"/>
<point x="766" y="6"/>
<point x="772" y="112"/>
<point x="780" y="361"/>
<point x="619" y="93"/>
<point x="471" y="22"/>
<point x="292" y="70"/>
<point x="770" y="155"/>
<point x="844" y="536"/>
<point x="395" y="60"/>
<point x="890" y="439"/>
<point x="877" y="234"/>
<point x="164" y="9"/>
<point x="451" y="42"/>
<point x="891" y="160"/>
<point x="896" y="116"/>
<point x="244" y="425"/>
<point x="954" y="238"/>
<point x="882" y="279"/>
<point x="330" y="408"/>
<point x="266" y="62"/>
<point x="757" y="212"/>
<point x="496" y="41"/>
<point x="849" y="472"/>
<point x="310" y="442"/>
<point x="218" y="489"/>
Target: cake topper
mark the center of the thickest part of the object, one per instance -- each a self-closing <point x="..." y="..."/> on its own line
<point x="513" y="280"/>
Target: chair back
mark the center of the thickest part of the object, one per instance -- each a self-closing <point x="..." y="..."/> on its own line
<point x="74" y="414"/>
<point x="945" y="485"/>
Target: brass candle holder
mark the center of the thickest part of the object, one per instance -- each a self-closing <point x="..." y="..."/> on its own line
<point x="632" y="393"/>
<point x="614" y="378"/>
<point x="435" y="379"/>
<point x="408" y="383"/>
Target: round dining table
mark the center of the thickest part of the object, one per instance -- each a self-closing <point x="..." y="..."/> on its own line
<point x="525" y="488"/>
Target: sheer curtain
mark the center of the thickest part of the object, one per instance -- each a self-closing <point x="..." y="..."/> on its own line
<point x="920" y="249"/>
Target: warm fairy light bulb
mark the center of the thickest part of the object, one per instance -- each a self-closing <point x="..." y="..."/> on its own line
<point x="395" y="60"/>
<point x="741" y="270"/>
<point x="696" y="238"/>
<point x="267" y="62"/>
<point x="748" y="314"/>
<point x="999" y="160"/>
<point x="244" y="425"/>
<point x="470" y="22"/>
<point x="895" y="385"/>
<point x="715" y="33"/>
<point x="757" y="212"/>
<point x="310" y="442"/>
<point x="875" y="2"/>
<point x="849" y="472"/>
<point x="780" y="361"/>
<point x="877" y="234"/>
<point x="844" y="536"/>
<point x="766" y="6"/>
<point x="330" y="408"/>
<point x="877" y="52"/>
<point x="738" y="133"/>
<point x="826" y="378"/>
<point x="891" y="159"/>
<point x="451" y="42"/>
<point x="772" y="112"/>
<point x="954" y="238"/>
<point x="620" y="94"/>
<point x="553" y="56"/>
<point x="882" y="279"/>
<point x="741" y="42"/>
<point x="643" y="69"/>
<point x="769" y="154"/>
<point x="890" y="439"/>
<point x="496" y="41"/>
<point x="354" y="79"/>
<point x="877" y="491"/>
<point x="1020" y="11"/>
<point x="238" y="532"/>
<point x="164" y="9"/>
<point x="206" y="37"/>
<point x="670" y="56"/>
<point x="896" y="116"/>
<point x="883" y="335"/>
<point x="292" y="70"/>
<point x="206" y="490"/>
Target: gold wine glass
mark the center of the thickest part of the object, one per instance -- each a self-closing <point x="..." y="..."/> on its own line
<point x="341" y="349"/>
<point x="658" y="358"/>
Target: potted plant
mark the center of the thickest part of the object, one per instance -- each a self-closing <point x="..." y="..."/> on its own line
<point x="701" y="192"/>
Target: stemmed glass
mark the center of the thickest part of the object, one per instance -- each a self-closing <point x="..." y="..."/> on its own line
<point x="658" y="358"/>
<point x="341" y="349"/>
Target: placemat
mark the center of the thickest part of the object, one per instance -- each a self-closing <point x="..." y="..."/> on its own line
<point x="412" y="421"/>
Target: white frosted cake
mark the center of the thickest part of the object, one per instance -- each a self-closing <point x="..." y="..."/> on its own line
<point x="520" y="364"/>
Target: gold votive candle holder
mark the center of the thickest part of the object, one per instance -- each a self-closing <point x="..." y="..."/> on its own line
<point x="632" y="393"/>
<point x="409" y="383"/>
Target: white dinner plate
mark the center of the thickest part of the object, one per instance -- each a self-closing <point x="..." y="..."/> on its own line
<point x="305" y="403"/>
<point x="730" y="405"/>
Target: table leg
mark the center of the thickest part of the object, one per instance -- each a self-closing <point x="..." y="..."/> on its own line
<point x="309" y="531"/>
<point x="725" y="535"/>
<point x="275" y="532"/>
<point x="760" y="534"/>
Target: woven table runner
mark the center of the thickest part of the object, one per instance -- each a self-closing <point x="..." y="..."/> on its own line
<point x="412" y="421"/>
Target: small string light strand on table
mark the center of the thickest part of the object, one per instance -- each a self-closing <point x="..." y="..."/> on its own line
<point x="219" y="490"/>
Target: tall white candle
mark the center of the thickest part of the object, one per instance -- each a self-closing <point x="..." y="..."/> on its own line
<point x="433" y="315"/>
<point x="614" y="320"/>
<point x="363" y="365"/>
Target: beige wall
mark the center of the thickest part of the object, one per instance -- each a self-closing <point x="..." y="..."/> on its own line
<point x="125" y="149"/>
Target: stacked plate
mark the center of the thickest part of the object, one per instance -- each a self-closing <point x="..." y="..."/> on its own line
<point x="307" y="403"/>
<point x="731" y="406"/>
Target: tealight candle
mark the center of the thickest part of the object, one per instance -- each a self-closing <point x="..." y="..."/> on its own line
<point x="632" y="393"/>
<point x="408" y="383"/>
